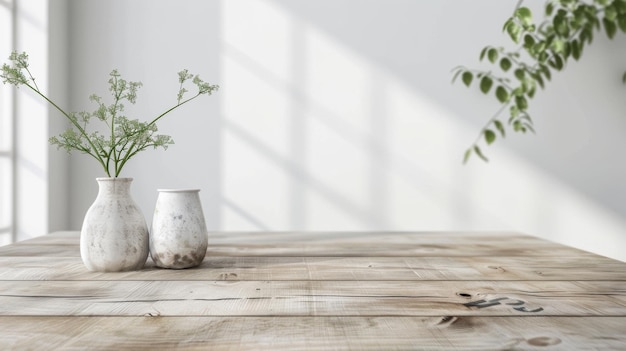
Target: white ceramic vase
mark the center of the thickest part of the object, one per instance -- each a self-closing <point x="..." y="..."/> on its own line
<point x="114" y="236"/>
<point x="178" y="237"/>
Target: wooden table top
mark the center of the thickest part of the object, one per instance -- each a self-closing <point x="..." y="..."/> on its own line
<point x="318" y="291"/>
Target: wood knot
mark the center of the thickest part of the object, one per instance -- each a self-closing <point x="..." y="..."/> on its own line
<point x="446" y="321"/>
<point x="543" y="341"/>
<point x="226" y="276"/>
<point x="497" y="268"/>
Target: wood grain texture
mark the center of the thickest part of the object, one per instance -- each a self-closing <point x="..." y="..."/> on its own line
<point x="318" y="291"/>
<point x="331" y="268"/>
<point x="313" y="333"/>
<point x="350" y="244"/>
<point x="312" y="298"/>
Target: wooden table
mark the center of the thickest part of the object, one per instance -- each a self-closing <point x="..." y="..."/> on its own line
<point x="314" y="291"/>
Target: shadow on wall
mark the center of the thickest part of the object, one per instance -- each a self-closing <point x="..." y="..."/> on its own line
<point x="23" y="126"/>
<point x="350" y="123"/>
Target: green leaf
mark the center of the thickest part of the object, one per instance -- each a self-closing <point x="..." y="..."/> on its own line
<point x="529" y="41"/>
<point x="524" y="15"/>
<point x="549" y="37"/>
<point x="567" y="51"/>
<point x="579" y="16"/>
<point x="546" y="71"/>
<point x="556" y="62"/>
<point x="485" y="84"/>
<point x="610" y="13"/>
<point x="531" y="91"/>
<point x="500" y="127"/>
<point x="467" y="78"/>
<point x="480" y="154"/>
<point x="528" y="85"/>
<point x="609" y="27"/>
<point x="502" y="94"/>
<point x="560" y="26"/>
<point x="483" y="52"/>
<point x="624" y="78"/>
<point x="558" y="46"/>
<point x="514" y="113"/>
<point x="539" y="80"/>
<point x="586" y="35"/>
<point x="467" y="155"/>
<point x="620" y="5"/>
<point x="490" y="136"/>
<point x="492" y="54"/>
<point x="621" y="21"/>
<point x="576" y="50"/>
<point x="506" y="24"/>
<point x="549" y="9"/>
<point x="520" y="74"/>
<point x="505" y="64"/>
<point x="521" y="103"/>
<point x="514" y="31"/>
<point x="526" y="116"/>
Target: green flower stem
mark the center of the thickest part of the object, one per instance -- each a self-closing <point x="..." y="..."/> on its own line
<point x="130" y="154"/>
<point x="35" y="88"/>
<point x="112" y="151"/>
<point x="172" y="109"/>
<point x="32" y="78"/>
<point x="77" y="125"/>
<point x="123" y="138"/>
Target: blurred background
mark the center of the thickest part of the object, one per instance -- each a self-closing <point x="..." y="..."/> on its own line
<point x="332" y="115"/>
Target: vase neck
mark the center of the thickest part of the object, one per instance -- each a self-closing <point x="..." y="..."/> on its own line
<point x="114" y="186"/>
<point x="178" y="190"/>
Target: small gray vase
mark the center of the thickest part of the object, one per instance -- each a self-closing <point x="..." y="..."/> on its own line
<point x="178" y="237"/>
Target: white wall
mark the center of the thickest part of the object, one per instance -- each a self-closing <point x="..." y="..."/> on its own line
<point x="32" y="167"/>
<point x="340" y="115"/>
<point x="58" y="88"/>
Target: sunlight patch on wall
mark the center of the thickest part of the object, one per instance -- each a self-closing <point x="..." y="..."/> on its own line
<point x="339" y="82"/>
<point x="254" y="184"/>
<point x="32" y="123"/>
<point x="339" y="92"/>
<point x="6" y="128"/>
<point x="318" y="137"/>
<point x="520" y="196"/>
<point x="260" y="31"/>
<point x="255" y="107"/>
<point x="6" y="108"/>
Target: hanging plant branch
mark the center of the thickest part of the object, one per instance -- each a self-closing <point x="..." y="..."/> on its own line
<point x="540" y="49"/>
<point x="125" y="137"/>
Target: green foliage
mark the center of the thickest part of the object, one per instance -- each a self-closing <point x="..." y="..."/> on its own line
<point x="124" y="137"/>
<point x="539" y="49"/>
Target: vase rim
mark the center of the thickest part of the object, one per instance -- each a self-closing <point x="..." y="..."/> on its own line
<point x="182" y="190"/>
<point x="124" y="179"/>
